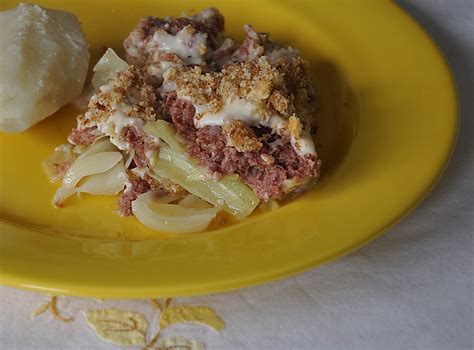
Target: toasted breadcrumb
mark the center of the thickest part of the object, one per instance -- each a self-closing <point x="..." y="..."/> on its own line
<point x="279" y="102"/>
<point x="129" y="87"/>
<point x="241" y="136"/>
<point x="294" y="127"/>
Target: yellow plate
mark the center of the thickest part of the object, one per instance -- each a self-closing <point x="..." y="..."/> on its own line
<point x="388" y="123"/>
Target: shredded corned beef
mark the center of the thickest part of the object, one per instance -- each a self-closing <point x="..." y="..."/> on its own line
<point x="296" y="166"/>
<point x="83" y="136"/>
<point x="182" y="114"/>
<point x="251" y="47"/>
<point x="138" y="186"/>
<point x="137" y="141"/>
<point x="266" y="178"/>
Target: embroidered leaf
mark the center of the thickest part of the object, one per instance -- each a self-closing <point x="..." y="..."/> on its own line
<point x="152" y="341"/>
<point x="156" y="304"/>
<point x="118" y="326"/>
<point x="54" y="310"/>
<point x="40" y="310"/>
<point x="167" y="302"/>
<point x="191" y="314"/>
<point x="179" y="343"/>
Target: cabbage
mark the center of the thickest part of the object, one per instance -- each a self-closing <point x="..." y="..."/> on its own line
<point x="102" y="144"/>
<point x="62" y="194"/>
<point x="171" y="218"/>
<point x="192" y="201"/>
<point x="159" y="198"/>
<point x="55" y="166"/>
<point x="108" y="183"/>
<point x="164" y="131"/>
<point x="129" y="159"/>
<point x="174" y="163"/>
<point x="109" y="64"/>
<point x="92" y="164"/>
<point x="271" y="204"/>
<point x="228" y="192"/>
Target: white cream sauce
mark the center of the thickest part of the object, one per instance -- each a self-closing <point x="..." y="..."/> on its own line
<point x="158" y="70"/>
<point x="236" y="109"/>
<point x="304" y="145"/>
<point x="184" y="44"/>
<point x="282" y="52"/>
<point x="167" y="86"/>
<point x="118" y="121"/>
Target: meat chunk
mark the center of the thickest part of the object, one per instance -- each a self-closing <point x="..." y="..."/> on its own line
<point x="265" y="170"/>
<point x="84" y="136"/>
<point x="252" y="47"/>
<point x="181" y="113"/>
<point x="137" y="187"/>
<point x="137" y="142"/>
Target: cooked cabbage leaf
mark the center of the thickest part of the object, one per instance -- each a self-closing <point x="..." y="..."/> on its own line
<point x="85" y="166"/>
<point x="108" y="183"/>
<point x="55" y="166"/>
<point x="93" y="164"/>
<point x="159" y="215"/>
<point x="164" y="131"/>
<point x="102" y="144"/>
<point x="109" y="64"/>
<point x="175" y="164"/>
<point x="192" y="201"/>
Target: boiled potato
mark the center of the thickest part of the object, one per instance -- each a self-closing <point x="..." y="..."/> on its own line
<point x="44" y="59"/>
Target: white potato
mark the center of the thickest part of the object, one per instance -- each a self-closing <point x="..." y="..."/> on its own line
<point x="44" y="59"/>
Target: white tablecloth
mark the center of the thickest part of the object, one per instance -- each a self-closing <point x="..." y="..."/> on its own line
<point x="410" y="289"/>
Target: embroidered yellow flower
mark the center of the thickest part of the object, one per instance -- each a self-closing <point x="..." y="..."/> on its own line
<point x="179" y="343"/>
<point x="191" y="314"/>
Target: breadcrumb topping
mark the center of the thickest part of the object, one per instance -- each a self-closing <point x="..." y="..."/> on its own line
<point x="268" y="86"/>
<point x="130" y="88"/>
<point x="241" y="136"/>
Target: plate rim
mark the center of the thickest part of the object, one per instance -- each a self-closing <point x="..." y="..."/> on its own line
<point x="25" y="282"/>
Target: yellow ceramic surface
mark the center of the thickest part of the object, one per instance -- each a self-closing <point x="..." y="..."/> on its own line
<point x="388" y="123"/>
